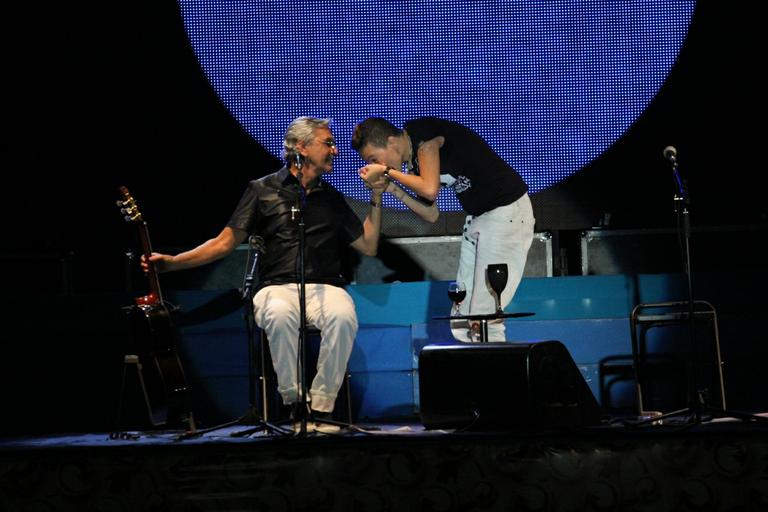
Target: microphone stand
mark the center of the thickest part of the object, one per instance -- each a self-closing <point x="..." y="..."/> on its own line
<point x="297" y="213"/>
<point x="697" y="405"/>
<point x="682" y="202"/>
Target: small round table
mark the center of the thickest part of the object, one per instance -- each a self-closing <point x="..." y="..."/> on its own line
<point x="483" y="320"/>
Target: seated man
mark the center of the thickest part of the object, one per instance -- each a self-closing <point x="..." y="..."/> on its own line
<point x="270" y="208"/>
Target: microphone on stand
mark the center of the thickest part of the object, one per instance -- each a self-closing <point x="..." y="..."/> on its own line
<point x="299" y="163"/>
<point x="670" y="154"/>
<point x="256" y="249"/>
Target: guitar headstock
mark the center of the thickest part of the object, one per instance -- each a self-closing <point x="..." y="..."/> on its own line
<point x="131" y="213"/>
<point x="128" y="206"/>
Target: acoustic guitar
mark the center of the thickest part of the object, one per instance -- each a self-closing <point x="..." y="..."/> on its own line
<point x="156" y="338"/>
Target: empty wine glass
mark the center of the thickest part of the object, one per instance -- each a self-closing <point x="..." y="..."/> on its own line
<point x="457" y="292"/>
<point x="497" y="278"/>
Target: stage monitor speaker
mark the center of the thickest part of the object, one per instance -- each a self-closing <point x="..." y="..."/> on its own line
<point x="503" y="386"/>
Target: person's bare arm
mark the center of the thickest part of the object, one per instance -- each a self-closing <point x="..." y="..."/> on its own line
<point x="211" y="250"/>
<point x="368" y="242"/>
<point x="428" y="212"/>
<point x="427" y="183"/>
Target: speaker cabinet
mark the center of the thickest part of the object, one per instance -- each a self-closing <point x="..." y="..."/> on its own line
<point x="503" y="386"/>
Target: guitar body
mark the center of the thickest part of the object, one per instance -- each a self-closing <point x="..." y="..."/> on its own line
<point x="155" y="338"/>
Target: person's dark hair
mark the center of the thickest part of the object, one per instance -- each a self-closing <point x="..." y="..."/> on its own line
<point x="374" y="131"/>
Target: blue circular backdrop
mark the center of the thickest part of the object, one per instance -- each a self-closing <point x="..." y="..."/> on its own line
<point x="550" y="85"/>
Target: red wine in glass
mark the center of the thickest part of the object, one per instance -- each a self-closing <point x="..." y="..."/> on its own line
<point x="456" y="292"/>
<point x="457" y="296"/>
<point x="497" y="278"/>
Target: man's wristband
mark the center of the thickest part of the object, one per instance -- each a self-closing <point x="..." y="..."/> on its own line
<point x="386" y="172"/>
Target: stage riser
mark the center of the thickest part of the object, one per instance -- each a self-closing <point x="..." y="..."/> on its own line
<point x="384" y="361"/>
<point x="64" y="354"/>
<point x="588" y="314"/>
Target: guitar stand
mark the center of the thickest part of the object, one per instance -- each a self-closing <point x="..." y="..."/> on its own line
<point x="131" y="361"/>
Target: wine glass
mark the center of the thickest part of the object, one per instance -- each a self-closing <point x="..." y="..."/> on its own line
<point x="456" y="292"/>
<point x="497" y="278"/>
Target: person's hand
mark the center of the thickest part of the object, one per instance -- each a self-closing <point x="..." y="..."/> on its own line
<point x="159" y="261"/>
<point x="474" y="331"/>
<point x="372" y="174"/>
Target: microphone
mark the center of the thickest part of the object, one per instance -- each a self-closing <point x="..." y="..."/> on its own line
<point x="256" y="244"/>
<point x="670" y="153"/>
<point x="299" y="162"/>
<point x="300" y="176"/>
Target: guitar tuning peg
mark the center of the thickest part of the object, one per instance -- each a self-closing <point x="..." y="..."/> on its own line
<point x="127" y="218"/>
<point x="120" y="203"/>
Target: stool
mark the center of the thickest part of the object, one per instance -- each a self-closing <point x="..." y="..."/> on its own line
<point x="616" y="377"/>
<point x="668" y="313"/>
<point x="271" y="399"/>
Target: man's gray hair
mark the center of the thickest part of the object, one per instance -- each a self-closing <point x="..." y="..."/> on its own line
<point x="301" y="129"/>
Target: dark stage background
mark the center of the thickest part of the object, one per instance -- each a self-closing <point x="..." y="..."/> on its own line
<point x="102" y="96"/>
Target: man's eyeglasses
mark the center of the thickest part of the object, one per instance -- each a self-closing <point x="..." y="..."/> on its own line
<point x="329" y="142"/>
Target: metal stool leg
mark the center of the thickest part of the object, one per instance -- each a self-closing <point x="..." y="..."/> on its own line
<point x="132" y="360"/>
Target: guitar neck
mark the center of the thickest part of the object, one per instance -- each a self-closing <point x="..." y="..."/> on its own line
<point x="146" y="247"/>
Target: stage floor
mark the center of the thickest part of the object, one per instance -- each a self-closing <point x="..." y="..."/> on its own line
<point x="240" y="433"/>
<point x="681" y="465"/>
